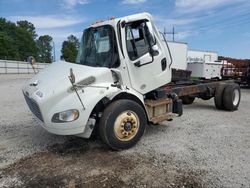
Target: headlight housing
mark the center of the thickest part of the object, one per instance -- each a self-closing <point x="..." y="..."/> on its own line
<point x="65" y="116"/>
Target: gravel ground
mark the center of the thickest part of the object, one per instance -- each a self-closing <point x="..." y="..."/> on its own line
<point x="203" y="148"/>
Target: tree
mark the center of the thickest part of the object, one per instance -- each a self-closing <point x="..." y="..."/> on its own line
<point x="29" y="27"/>
<point x="73" y="39"/>
<point x="44" y="49"/>
<point x="8" y="49"/>
<point x="70" y="48"/>
<point x="15" y="42"/>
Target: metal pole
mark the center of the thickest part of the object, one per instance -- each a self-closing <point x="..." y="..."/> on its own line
<point x="33" y="68"/>
<point x="173" y="34"/>
<point x="17" y="67"/>
<point x="28" y="68"/>
<point x="5" y="63"/>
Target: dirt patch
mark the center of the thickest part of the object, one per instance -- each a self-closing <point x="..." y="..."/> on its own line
<point x="2" y="147"/>
<point x="81" y="163"/>
<point x="73" y="146"/>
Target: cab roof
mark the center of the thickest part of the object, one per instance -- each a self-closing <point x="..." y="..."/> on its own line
<point x="113" y="21"/>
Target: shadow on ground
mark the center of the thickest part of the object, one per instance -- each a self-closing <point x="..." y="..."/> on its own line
<point x="84" y="163"/>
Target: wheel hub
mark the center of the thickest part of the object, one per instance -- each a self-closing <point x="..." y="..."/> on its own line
<point x="126" y="125"/>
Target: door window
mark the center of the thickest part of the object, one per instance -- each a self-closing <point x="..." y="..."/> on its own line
<point x="136" y="39"/>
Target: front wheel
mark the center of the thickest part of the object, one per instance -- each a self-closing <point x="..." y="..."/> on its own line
<point x="122" y="124"/>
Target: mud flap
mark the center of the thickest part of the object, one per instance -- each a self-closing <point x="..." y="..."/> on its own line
<point x="177" y="107"/>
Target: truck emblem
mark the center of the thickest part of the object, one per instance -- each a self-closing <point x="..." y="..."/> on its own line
<point x="39" y="94"/>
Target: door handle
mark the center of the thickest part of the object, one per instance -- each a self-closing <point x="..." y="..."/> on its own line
<point x="163" y="64"/>
<point x="137" y="64"/>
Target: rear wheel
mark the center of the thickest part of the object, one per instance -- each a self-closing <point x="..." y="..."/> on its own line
<point x="187" y="99"/>
<point x="231" y="97"/>
<point x="122" y="124"/>
<point x="218" y="97"/>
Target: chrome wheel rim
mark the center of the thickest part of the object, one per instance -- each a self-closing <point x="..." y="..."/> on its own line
<point x="236" y="97"/>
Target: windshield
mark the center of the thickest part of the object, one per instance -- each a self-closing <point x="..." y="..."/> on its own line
<point x="98" y="48"/>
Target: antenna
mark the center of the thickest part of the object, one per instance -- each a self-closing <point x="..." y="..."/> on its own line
<point x="173" y="33"/>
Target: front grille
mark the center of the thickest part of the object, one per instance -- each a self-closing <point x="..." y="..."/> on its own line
<point x="34" y="108"/>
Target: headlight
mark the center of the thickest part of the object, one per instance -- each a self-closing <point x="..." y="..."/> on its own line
<point x="65" y="116"/>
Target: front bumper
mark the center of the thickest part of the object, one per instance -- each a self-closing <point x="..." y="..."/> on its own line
<point x="67" y="128"/>
<point x="45" y="107"/>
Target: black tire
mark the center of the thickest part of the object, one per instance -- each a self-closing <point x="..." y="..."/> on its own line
<point x="109" y="117"/>
<point x="231" y="97"/>
<point x="218" y="96"/>
<point x="187" y="100"/>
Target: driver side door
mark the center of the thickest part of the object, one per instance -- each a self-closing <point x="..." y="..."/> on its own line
<point x="147" y="71"/>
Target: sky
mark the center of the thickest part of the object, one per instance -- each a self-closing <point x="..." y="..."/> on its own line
<point x="212" y="25"/>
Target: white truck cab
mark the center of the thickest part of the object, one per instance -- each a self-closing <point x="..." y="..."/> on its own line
<point x="112" y="85"/>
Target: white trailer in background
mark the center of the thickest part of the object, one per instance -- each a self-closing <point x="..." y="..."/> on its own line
<point x="201" y="56"/>
<point x="204" y="64"/>
<point x="207" y="70"/>
<point x="179" y="52"/>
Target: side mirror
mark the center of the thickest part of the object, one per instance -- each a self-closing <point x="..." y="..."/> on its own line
<point x="154" y="50"/>
<point x="72" y="76"/>
<point x="31" y="60"/>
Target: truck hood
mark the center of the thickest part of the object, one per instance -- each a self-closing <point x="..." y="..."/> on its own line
<point x="54" y="80"/>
